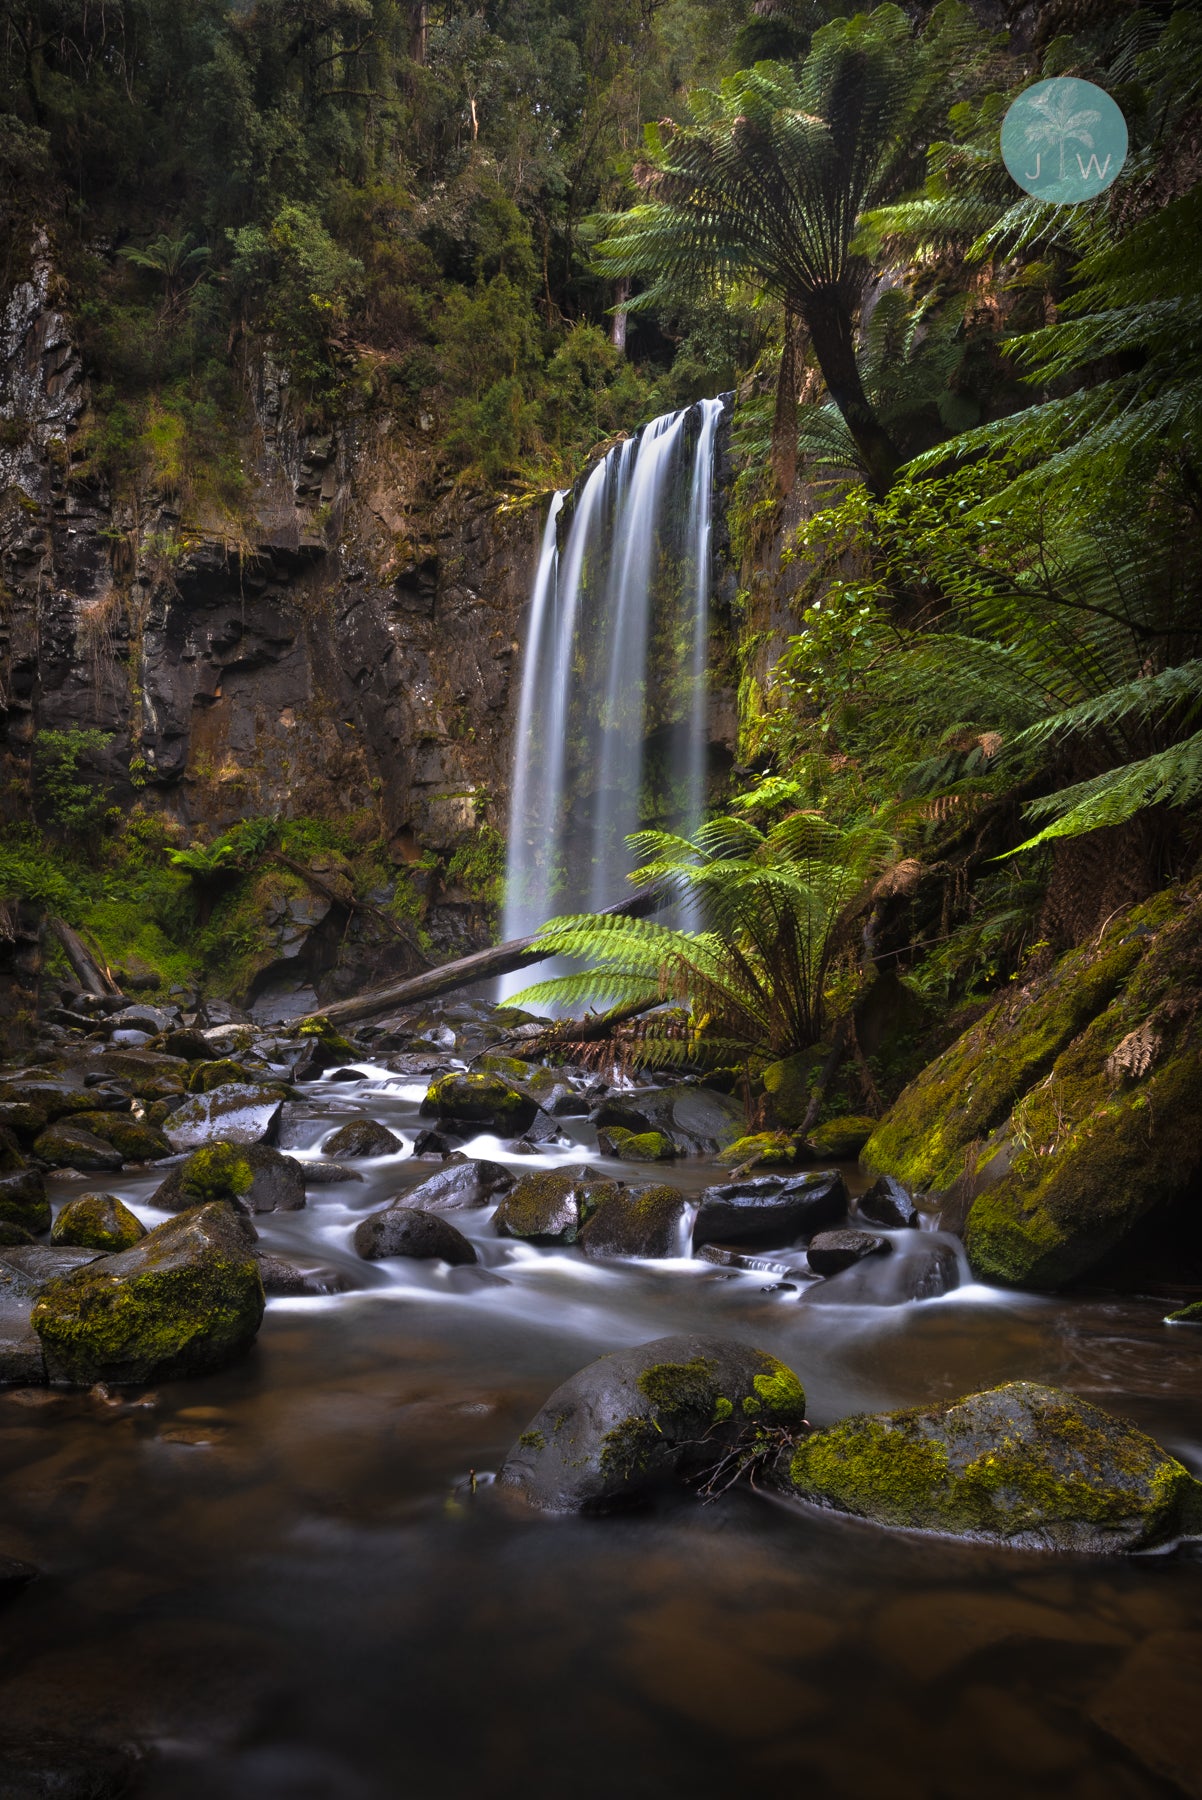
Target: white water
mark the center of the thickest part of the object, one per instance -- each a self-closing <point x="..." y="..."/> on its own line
<point x="616" y="650"/>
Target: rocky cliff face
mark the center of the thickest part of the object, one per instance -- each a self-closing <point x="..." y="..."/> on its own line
<point x="347" y="647"/>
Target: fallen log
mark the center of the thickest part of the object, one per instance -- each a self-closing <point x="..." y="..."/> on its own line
<point x="86" y="970"/>
<point x="481" y="965"/>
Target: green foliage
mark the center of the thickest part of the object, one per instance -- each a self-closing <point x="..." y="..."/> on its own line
<point x="773" y="903"/>
<point x="69" y="804"/>
<point x="478" y="866"/>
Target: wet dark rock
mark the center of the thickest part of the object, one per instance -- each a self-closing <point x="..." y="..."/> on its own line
<point x="635" y="1146"/>
<point x="699" y="1121"/>
<point x="841" y="1139"/>
<point x="137" y="1141"/>
<point x="362" y="1137"/>
<point x="137" y="1065"/>
<point x="723" y="1257"/>
<point x="325" y="1174"/>
<point x="23" y="1119"/>
<point x="888" y="1203"/>
<point x="97" y="1222"/>
<point x="551" y="1206"/>
<point x="56" y="1100"/>
<point x="1023" y="1465"/>
<point x="15" y="1575"/>
<point x="42" y="1767"/>
<point x="253" y="1178"/>
<point x="935" y="1270"/>
<point x="30" y="1266"/>
<point x="410" y="1231"/>
<point x="186" y="1300"/>
<point x="777" y="1207"/>
<point x="192" y="1045"/>
<point x="236" y="1113"/>
<point x="647" y="1418"/>
<point x="203" y="1077"/>
<point x="21" y="1360"/>
<point x="14" y="1234"/>
<point x="284" y="1279"/>
<point x="483" y="1101"/>
<point x="636" y="1221"/>
<point x="433" y="1142"/>
<point x="23" y="1200"/>
<point x="471" y="1182"/>
<point x="831" y="1251"/>
<point x="67" y="1146"/>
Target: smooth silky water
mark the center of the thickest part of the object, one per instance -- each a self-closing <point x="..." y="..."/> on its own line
<point x="282" y="1579"/>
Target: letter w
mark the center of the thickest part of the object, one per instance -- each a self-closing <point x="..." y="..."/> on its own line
<point x="1093" y="167"/>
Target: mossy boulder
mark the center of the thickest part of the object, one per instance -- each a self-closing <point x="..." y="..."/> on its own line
<point x="789" y="1083"/>
<point x="23" y="1119"/>
<point x="1069" y="1111"/>
<point x="362" y="1137"/>
<point x="1024" y="1465"/>
<point x="636" y="1221"/>
<point x="185" y="1300"/>
<point x="236" y="1112"/>
<point x="1186" y="1315"/>
<point x="635" y="1146"/>
<point x="651" y="1417"/>
<point x="23" y="1201"/>
<point x="53" y="1099"/>
<point x="410" y="1231"/>
<point x="97" y="1222"/>
<point x="510" y="1068"/>
<point x="551" y="1205"/>
<point x="203" y="1077"/>
<point x="253" y="1178"/>
<point x="65" y="1145"/>
<point x="842" y="1138"/>
<point x="763" y="1150"/>
<point x="136" y="1140"/>
<point x="485" y="1101"/>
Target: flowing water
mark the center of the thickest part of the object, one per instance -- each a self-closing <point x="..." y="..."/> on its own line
<point x="281" y="1580"/>
<point x="612" y="713"/>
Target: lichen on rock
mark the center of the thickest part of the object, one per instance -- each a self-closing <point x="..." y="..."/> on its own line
<point x="97" y="1222"/>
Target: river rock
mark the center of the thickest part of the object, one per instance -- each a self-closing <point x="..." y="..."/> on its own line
<point x="324" y="1174"/>
<point x="470" y="1183"/>
<point x="362" y="1137"/>
<point x="831" y="1251"/>
<point x="31" y="1266"/>
<point x="191" y="1044"/>
<point x="97" y="1222"/>
<point x="699" y="1121"/>
<point x="1186" y="1315"/>
<point x="253" y="1178"/>
<point x="285" y="1280"/>
<point x="23" y="1200"/>
<point x="21" y="1360"/>
<point x="67" y="1146"/>
<point x="550" y="1206"/>
<point x="236" y="1113"/>
<point x="777" y="1207"/>
<point x="841" y="1138"/>
<point x="635" y="1146"/>
<point x="484" y="1101"/>
<point x="137" y="1141"/>
<point x="54" y="1099"/>
<point x="1024" y="1465"/>
<point x="203" y="1077"/>
<point x="646" y="1418"/>
<point x="23" y="1119"/>
<point x="636" y="1221"/>
<point x="410" y="1231"/>
<point x="185" y="1300"/>
<point x="888" y="1203"/>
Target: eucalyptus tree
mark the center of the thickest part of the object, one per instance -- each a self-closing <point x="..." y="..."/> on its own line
<point x="767" y="185"/>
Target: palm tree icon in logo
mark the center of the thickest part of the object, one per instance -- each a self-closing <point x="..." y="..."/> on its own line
<point x="1058" y="121"/>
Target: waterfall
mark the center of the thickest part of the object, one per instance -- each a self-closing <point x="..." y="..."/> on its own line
<point x="612" y="726"/>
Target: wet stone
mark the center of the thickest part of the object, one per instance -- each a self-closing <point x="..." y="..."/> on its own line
<point x="472" y="1182"/>
<point x="254" y="1178"/>
<point x="888" y="1203"/>
<point x="284" y="1279"/>
<point x="362" y="1137"/>
<point x="67" y="1146"/>
<point x="551" y="1206"/>
<point x="409" y="1231"/>
<point x="779" y="1208"/>
<point x="832" y="1251"/>
<point x="645" y="1222"/>
<point x="97" y="1222"/>
<point x="235" y="1113"/>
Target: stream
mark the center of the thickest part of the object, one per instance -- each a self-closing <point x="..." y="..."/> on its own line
<point x="282" y="1580"/>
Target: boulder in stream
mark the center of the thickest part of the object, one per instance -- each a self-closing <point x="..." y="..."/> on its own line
<point x="777" y="1208"/>
<point x="488" y="1102"/>
<point x="65" y="1145"/>
<point x="136" y="1140"/>
<point x="635" y="1146"/>
<point x="23" y="1201"/>
<point x="841" y="1138"/>
<point x="409" y="1231"/>
<point x="185" y="1300"/>
<point x="237" y="1113"/>
<point x="551" y="1206"/>
<point x="698" y="1120"/>
<point x="362" y="1137"/>
<point x="469" y="1182"/>
<point x="97" y="1222"/>
<point x="832" y="1251"/>
<point x="253" y="1178"/>
<point x="636" y="1221"/>
<point x="647" y="1418"/>
<point x="888" y="1203"/>
<point x="1186" y="1315"/>
<point x="1023" y="1465"/>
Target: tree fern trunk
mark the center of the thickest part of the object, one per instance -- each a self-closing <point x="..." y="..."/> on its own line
<point x="829" y="319"/>
<point x="784" y="423"/>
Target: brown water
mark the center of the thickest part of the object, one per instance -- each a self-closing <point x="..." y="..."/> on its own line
<point x="280" y="1579"/>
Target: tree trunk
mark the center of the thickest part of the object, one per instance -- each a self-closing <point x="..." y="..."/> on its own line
<point x="418" y="27"/>
<point x="829" y="319"/>
<point x="481" y="965"/>
<point x="784" y="422"/>
<point x="90" y="976"/>
<point x="617" y="329"/>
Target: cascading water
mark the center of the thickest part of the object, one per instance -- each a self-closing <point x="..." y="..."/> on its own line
<point x="612" y="715"/>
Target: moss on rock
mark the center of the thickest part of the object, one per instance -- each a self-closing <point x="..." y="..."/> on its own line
<point x="551" y="1206"/>
<point x="136" y="1140"/>
<point x="841" y="1138"/>
<point x="203" y="1077"/>
<point x="635" y="1146"/>
<point x="186" y="1299"/>
<point x="1186" y="1315"/>
<point x="763" y="1150"/>
<point x="97" y="1222"/>
<point x="1021" y="1464"/>
<point x="643" y="1222"/>
<point x="481" y="1100"/>
<point x="23" y="1202"/>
